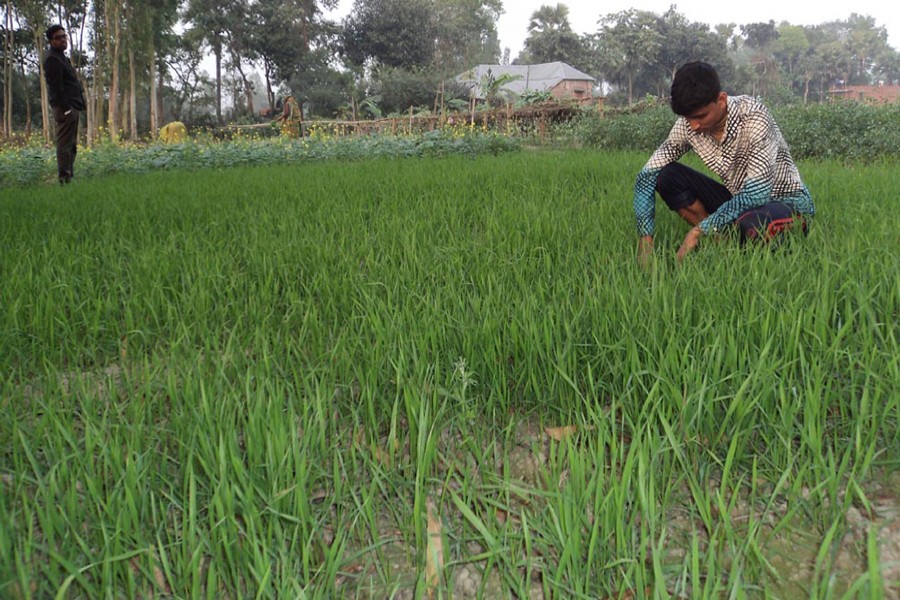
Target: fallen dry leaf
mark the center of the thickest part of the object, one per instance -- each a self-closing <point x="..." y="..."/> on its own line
<point x="161" y="582"/>
<point x="434" y="552"/>
<point x="633" y="594"/>
<point x="561" y="433"/>
<point x="504" y="515"/>
<point x="382" y="456"/>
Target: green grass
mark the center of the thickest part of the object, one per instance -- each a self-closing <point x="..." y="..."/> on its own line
<point x="249" y="383"/>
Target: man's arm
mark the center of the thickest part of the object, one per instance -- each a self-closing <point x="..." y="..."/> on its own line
<point x="675" y="146"/>
<point x="645" y="200"/>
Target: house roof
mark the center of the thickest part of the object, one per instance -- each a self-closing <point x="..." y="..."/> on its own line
<point x="538" y="78"/>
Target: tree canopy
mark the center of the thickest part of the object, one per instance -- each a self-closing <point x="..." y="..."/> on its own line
<point x="145" y="62"/>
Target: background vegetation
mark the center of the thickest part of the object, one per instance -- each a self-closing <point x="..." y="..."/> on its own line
<point x="851" y="131"/>
<point x="142" y="62"/>
<point x="35" y="163"/>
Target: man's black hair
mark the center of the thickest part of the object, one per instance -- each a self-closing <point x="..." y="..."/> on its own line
<point x="695" y="85"/>
<point x="52" y="30"/>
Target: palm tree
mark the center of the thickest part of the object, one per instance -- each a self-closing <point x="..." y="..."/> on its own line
<point x="550" y="37"/>
<point x="548" y="19"/>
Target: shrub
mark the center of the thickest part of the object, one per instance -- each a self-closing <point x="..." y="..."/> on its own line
<point x="30" y="165"/>
<point x="842" y="130"/>
<point x="642" y="130"/>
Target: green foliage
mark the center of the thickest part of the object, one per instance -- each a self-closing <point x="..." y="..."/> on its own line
<point x="640" y="130"/>
<point x="491" y="86"/>
<point x="845" y="130"/>
<point x="320" y="88"/>
<point x="401" y="88"/>
<point x="32" y="165"/>
<point x="534" y="97"/>
<point x="251" y="381"/>
<point x="394" y="33"/>
<point x="550" y="38"/>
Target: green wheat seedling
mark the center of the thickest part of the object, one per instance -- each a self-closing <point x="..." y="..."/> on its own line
<point x="442" y="378"/>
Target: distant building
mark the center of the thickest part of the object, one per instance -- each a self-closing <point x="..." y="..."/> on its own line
<point x="866" y="93"/>
<point x="562" y="81"/>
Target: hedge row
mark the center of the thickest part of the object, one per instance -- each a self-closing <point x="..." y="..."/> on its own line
<point x="842" y="130"/>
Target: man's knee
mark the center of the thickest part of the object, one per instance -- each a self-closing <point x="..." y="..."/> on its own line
<point x="671" y="188"/>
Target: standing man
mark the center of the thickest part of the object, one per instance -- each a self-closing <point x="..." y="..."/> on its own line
<point x="737" y="139"/>
<point x="66" y="100"/>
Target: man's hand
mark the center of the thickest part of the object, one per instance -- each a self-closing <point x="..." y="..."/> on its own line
<point x="690" y="242"/>
<point x="645" y="249"/>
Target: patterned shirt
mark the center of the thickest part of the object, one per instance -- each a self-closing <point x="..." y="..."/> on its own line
<point x="752" y="159"/>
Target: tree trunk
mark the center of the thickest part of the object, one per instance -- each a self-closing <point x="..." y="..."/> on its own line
<point x="7" y="72"/>
<point x="123" y="111"/>
<point x="97" y="106"/>
<point x="45" y="113"/>
<point x="27" y="100"/>
<point x="630" y="89"/>
<point x="218" y="52"/>
<point x="112" y="44"/>
<point x="154" y="100"/>
<point x="132" y="113"/>
<point x="305" y="19"/>
<point x="160" y="100"/>
<point x="92" y="126"/>
<point x="270" y="94"/>
<point x="248" y="89"/>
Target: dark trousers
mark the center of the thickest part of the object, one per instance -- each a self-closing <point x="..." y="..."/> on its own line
<point x="679" y="186"/>
<point x="66" y="143"/>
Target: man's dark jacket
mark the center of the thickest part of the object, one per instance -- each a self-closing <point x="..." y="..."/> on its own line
<point x="62" y="82"/>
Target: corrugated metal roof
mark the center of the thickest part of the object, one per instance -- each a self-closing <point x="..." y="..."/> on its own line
<point x="538" y="78"/>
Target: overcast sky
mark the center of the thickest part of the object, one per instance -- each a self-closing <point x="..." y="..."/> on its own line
<point x="584" y="14"/>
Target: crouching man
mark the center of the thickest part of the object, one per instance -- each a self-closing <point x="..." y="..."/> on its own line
<point x="736" y="137"/>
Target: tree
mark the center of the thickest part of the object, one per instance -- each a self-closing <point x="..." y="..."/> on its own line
<point x="686" y="41"/>
<point x="286" y="37"/>
<point x="550" y="38"/>
<point x="887" y="66"/>
<point x="466" y="34"/>
<point x="323" y="90"/>
<point x="183" y="62"/>
<point x="163" y="40"/>
<point x="211" y="21"/>
<point x="391" y="33"/>
<point x="790" y="45"/>
<point x="112" y="20"/>
<point x="809" y="66"/>
<point x="400" y="88"/>
<point x="726" y="32"/>
<point x="759" y="37"/>
<point x="628" y="42"/>
<point x="865" y="41"/>
<point x="9" y="28"/>
<point x="34" y="13"/>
